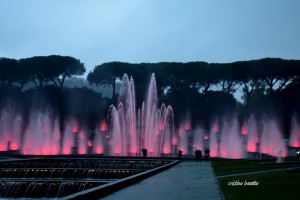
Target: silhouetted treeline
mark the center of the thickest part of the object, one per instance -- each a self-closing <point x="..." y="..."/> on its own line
<point x="204" y="90"/>
<point x="39" y="70"/>
<point x="48" y="74"/>
<point x="269" y="85"/>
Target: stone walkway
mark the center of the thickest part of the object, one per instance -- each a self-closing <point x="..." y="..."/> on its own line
<point x="186" y="180"/>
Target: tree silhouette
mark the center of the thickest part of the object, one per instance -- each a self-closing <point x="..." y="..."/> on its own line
<point x="107" y="74"/>
<point x="63" y="67"/>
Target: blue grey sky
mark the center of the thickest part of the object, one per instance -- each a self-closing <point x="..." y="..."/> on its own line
<point x="98" y="31"/>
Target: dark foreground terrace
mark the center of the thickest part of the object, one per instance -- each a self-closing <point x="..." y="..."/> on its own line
<point x="73" y="177"/>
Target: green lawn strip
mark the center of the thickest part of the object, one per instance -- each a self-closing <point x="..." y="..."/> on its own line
<point x="273" y="185"/>
<point x="228" y="167"/>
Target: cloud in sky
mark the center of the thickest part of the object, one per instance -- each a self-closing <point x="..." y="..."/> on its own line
<point x="150" y="31"/>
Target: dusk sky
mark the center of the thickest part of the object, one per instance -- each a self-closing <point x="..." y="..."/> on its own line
<point x="138" y="31"/>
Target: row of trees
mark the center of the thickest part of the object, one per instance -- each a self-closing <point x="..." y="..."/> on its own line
<point x="273" y="74"/>
<point x="202" y="89"/>
<point x="39" y="70"/>
<point x="276" y="74"/>
<point x="44" y="78"/>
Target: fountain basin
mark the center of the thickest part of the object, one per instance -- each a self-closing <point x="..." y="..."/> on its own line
<point x="72" y="177"/>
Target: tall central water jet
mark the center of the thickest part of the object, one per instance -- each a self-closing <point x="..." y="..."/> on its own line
<point x="152" y="129"/>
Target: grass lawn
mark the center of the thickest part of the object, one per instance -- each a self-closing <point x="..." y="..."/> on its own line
<point x="271" y="185"/>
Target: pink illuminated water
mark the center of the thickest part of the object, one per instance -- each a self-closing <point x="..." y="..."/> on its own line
<point x="231" y="145"/>
<point x="183" y="139"/>
<point x="213" y="144"/>
<point x="214" y="151"/>
<point x="103" y="126"/>
<point x="10" y="130"/>
<point x="127" y="130"/>
<point x="252" y="134"/>
<point x="198" y="142"/>
<point x="68" y="137"/>
<point x="295" y="133"/>
<point x="216" y="126"/>
<point x="42" y="135"/>
<point x="165" y="130"/>
<point x="98" y="145"/>
<point x="244" y="129"/>
<point x="152" y="128"/>
<point x="271" y="138"/>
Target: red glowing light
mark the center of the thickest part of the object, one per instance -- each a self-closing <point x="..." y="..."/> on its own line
<point x="3" y="148"/>
<point x="46" y="151"/>
<point x="213" y="153"/>
<point x="264" y="150"/>
<point x="206" y="137"/>
<point x="75" y="127"/>
<point x="99" y="150"/>
<point x="295" y="144"/>
<point x="295" y="138"/>
<point x="180" y="132"/>
<point x="90" y="143"/>
<point x="133" y="149"/>
<point x="244" y="130"/>
<point x="82" y="150"/>
<point x="166" y="149"/>
<point x="54" y="150"/>
<point x="251" y="147"/>
<point x="117" y="151"/>
<point x="174" y="140"/>
<point x="187" y="125"/>
<point x="103" y="126"/>
<point x="216" y="127"/>
<point x="14" y="146"/>
<point x="107" y="137"/>
<point x="161" y="126"/>
<point x="66" y="151"/>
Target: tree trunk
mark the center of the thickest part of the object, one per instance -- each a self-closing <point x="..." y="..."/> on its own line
<point x="114" y="87"/>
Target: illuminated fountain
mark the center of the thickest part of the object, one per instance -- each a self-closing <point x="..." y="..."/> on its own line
<point x="231" y="145"/>
<point x="10" y="129"/>
<point x="150" y="127"/>
<point x="214" y="139"/>
<point x="271" y="138"/>
<point x="199" y="139"/>
<point x="295" y="133"/>
<point x="251" y="132"/>
<point x="40" y="131"/>
<point x="41" y="137"/>
<point x="229" y="139"/>
<point x="226" y="140"/>
<point x="127" y="130"/>
<point x="183" y="139"/>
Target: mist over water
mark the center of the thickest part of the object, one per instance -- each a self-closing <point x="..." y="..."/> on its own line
<point x="152" y="129"/>
<point x="231" y="145"/>
<point x="41" y="130"/>
<point x="271" y="138"/>
<point x="295" y="132"/>
<point x="252" y="132"/>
